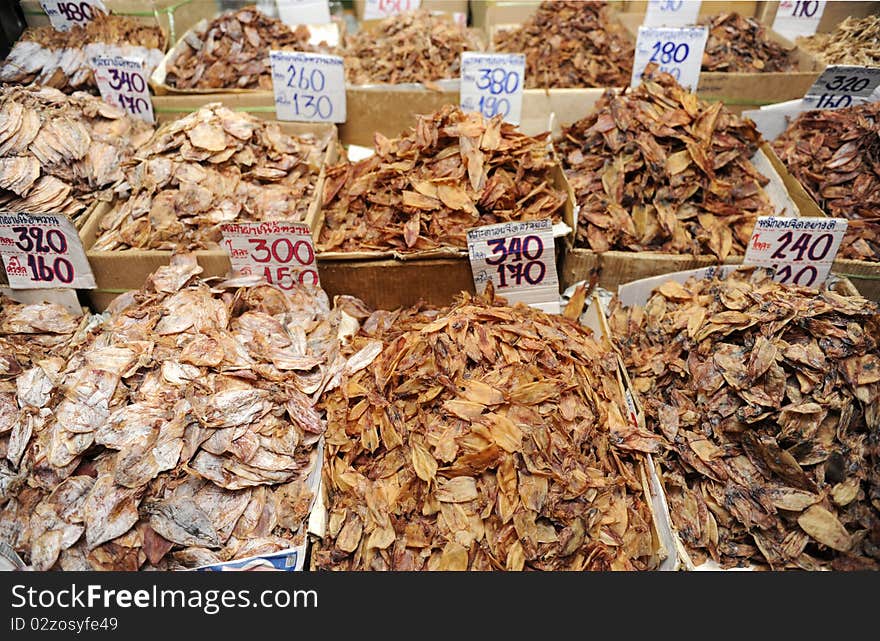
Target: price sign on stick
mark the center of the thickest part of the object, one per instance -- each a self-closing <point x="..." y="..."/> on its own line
<point x="296" y="12"/>
<point x="492" y="83"/>
<point x="308" y="86"/>
<point x="798" y="18"/>
<point x="123" y="82"/>
<point x="671" y="13"/>
<point x="43" y="252"/>
<point x="801" y="250"/>
<point x="842" y="86"/>
<point x="380" y="9"/>
<point x="677" y="50"/>
<point x="519" y="259"/>
<point x="64" y="14"/>
<point x="282" y="253"/>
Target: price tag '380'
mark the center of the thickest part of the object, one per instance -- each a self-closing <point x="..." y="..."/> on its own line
<point x="492" y="83"/>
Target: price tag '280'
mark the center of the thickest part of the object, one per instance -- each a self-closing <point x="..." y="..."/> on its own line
<point x="122" y="81"/>
<point x="492" y="83"/>
<point x="677" y="50"/>
<point x="520" y="261"/>
<point x="282" y="253"/>
<point x="308" y="87"/>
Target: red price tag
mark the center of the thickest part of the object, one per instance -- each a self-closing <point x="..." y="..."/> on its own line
<point x="282" y="253"/>
<point x="42" y="252"/>
<point x="380" y="9"/>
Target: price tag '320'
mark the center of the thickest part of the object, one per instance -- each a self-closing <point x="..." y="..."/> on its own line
<point x="309" y="87"/>
<point x="282" y="253"/>
<point x="122" y="82"/>
<point x="492" y="83"/>
<point x="677" y="50"/>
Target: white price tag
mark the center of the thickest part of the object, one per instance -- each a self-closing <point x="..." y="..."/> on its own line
<point x="309" y="87"/>
<point x="381" y="9"/>
<point x="123" y="82"/>
<point x="492" y="83"/>
<point x="43" y="251"/>
<point x="798" y="18"/>
<point x="297" y="12"/>
<point x="282" y="253"/>
<point x="677" y="50"/>
<point x="64" y="14"/>
<point x="801" y="250"/>
<point x="842" y="86"/>
<point x="520" y="261"/>
<point x="671" y="13"/>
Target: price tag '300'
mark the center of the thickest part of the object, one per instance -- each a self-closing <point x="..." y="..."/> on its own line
<point x="677" y="50"/>
<point x="282" y="253"/>
<point x="123" y="82"/>
<point x="308" y="87"/>
<point x="492" y="83"/>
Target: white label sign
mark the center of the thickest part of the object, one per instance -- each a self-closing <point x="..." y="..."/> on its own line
<point x="64" y="14"/>
<point x="519" y="259"/>
<point x="308" y="87"/>
<point x="43" y="252"/>
<point x="671" y="13"/>
<point x="492" y="83"/>
<point x="123" y="82"/>
<point x="798" y="18"/>
<point x="282" y="253"/>
<point x="677" y="50"/>
<point x="842" y="86"/>
<point x="801" y="250"/>
<point x="296" y="12"/>
<point x="380" y="9"/>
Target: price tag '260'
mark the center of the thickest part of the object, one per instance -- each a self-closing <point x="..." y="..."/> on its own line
<point x="309" y="87"/>
<point x="282" y="253"/>
<point x="520" y="261"/>
<point x="677" y="50"/>
<point x="492" y="83"/>
<point x="123" y="82"/>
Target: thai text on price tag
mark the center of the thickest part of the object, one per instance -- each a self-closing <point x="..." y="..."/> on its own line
<point x="519" y="259"/>
<point x="64" y="14"/>
<point x="798" y="18"/>
<point x="380" y="9"/>
<point x="123" y="82"/>
<point x="492" y="83"/>
<point x="43" y="252"/>
<point x="308" y="86"/>
<point x="801" y="250"/>
<point x="842" y="86"/>
<point x="282" y="253"/>
<point x="671" y="13"/>
<point x="677" y="50"/>
<point x="296" y="12"/>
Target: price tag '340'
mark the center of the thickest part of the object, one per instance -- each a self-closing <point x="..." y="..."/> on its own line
<point x="122" y="81"/>
<point x="309" y="87"/>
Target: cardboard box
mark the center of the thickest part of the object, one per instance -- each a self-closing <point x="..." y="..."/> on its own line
<point x="120" y="271"/>
<point x="836" y="11"/>
<point x="174" y="16"/>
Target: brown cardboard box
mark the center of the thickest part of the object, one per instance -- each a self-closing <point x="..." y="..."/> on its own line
<point x="174" y="16"/>
<point x="835" y="12"/>
<point x="120" y="271"/>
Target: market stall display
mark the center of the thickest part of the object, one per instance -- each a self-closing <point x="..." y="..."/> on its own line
<point x="483" y="437"/>
<point x="423" y="190"/>
<point x="60" y="59"/>
<point x="767" y="397"/>
<point x="571" y="44"/>
<point x="181" y="433"/>
<point x="211" y="167"/>
<point x="61" y="153"/>
<point x="835" y="154"/>
<point x="740" y="45"/>
<point x="855" y="41"/>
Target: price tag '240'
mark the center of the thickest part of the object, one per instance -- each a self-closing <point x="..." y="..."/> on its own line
<point x="309" y="87"/>
<point x="676" y="50"/>
<point x="492" y="83"/>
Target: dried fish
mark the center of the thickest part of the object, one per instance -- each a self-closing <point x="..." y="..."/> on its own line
<point x="767" y="396"/>
<point x="60" y="153"/>
<point x="835" y="154"/>
<point x="657" y="169"/>
<point x="738" y="44"/>
<point x="411" y="47"/>
<point x="855" y="41"/>
<point x="571" y="44"/>
<point x="60" y="59"/>
<point x="541" y="474"/>
<point x="152" y="452"/>
<point x="232" y="51"/>
<point x="211" y="167"/>
<point x="423" y="190"/>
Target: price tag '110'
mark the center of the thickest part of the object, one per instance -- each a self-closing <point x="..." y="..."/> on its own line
<point x="492" y="83"/>
<point x="677" y="50"/>
<point x="123" y="82"/>
<point x="43" y="252"/>
<point x="520" y="261"/>
<point x="282" y="253"/>
<point x="309" y="87"/>
<point x="798" y="18"/>
<point x="801" y="250"/>
<point x="64" y="14"/>
<point x="671" y="13"/>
